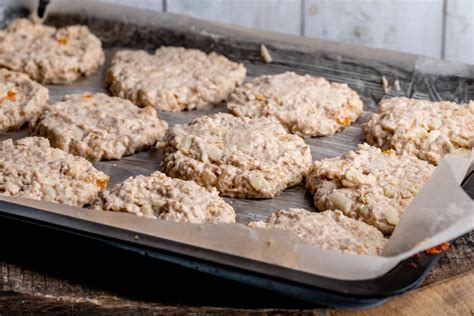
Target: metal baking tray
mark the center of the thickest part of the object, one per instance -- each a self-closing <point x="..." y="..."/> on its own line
<point x="362" y="68"/>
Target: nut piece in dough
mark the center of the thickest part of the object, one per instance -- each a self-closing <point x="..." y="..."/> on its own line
<point x="161" y="197"/>
<point x="305" y="105"/>
<point x="21" y="100"/>
<point x="241" y="157"/>
<point x="174" y="78"/>
<point x="30" y="168"/>
<point x="330" y="230"/>
<point x="50" y="55"/>
<point x="96" y="126"/>
<point x="426" y="129"/>
<point x="368" y="184"/>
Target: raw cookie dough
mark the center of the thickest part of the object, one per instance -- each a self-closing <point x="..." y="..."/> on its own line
<point x="162" y="197"/>
<point x="96" y="126"/>
<point x="21" y="100"/>
<point x="50" y="55"/>
<point x="30" y="168"/>
<point x="330" y="230"/>
<point x="368" y="184"/>
<point x="305" y="105"/>
<point x="241" y="157"/>
<point x="173" y="78"/>
<point x="423" y="128"/>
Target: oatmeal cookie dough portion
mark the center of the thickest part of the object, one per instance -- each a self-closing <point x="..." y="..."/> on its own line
<point x="423" y="128"/>
<point x="96" y="126"/>
<point x="305" y="105"/>
<point x="30" y="168"/>
<point x="21" y="100"/>
<point x="241" y="157"/>
<point x="330" y="230"/>
<point x="50" y="55"/>
<point x="368" y="184"/>
<point x="173" y="78"/>
<point x="161" y="197"/>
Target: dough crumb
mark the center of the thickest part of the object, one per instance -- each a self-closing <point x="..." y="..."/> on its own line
<point x="385" y="85"/>
<point x="265" y="54"/>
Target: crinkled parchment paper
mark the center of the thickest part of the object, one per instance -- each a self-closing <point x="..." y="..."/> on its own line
<point x="440" y="212"/>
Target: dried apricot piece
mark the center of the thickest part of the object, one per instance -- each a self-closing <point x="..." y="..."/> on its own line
<point x="62" y="41"/>
<point x="11" y="94"/>
<point x="101" y="183"/>
<point x="344" y="121"/>
<point x="437" y="249"/>
<point x="413" y="265"/>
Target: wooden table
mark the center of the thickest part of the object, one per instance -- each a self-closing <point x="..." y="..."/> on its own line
<point x="448" y="290"/>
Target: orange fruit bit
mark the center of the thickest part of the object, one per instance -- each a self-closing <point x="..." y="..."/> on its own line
<point x="62" y="41"/>
<point x="101" y="183"/>
<point x="259" y="97"/>
<point x="344" y="121"/>
<point x="437" y="249"/>
<point x="389" y="152"/>
<point x="412" y="265"/>
<point x="11" y="94"/>
<point x="87" y="96"/>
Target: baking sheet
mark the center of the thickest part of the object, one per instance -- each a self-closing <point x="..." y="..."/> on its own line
<point x="362" y="68"/>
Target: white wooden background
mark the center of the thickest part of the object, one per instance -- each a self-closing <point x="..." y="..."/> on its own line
<point x="436" y="28"/>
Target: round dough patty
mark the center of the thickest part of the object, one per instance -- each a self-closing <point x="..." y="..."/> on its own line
<point x="423" y="128"/>
<point x="330" y="230"/>
<point x="368" y="184"/>
<point x="174" y="78"/>
<point x="241" y="157"/>
<point x="305" y="105"/>
<point x="96" y="126"/>
<point x="161" y="197"/>
<point x="50" y="55"/>
<point x="30" y="168"/>
<point x="21" y="100"/>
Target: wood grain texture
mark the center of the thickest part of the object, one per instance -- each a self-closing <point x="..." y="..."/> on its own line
<point x="402" y="25"/>
<point x="452" y="297"/>
<point x="155" y="5"/>
<point x="24" y="290"/>
<point x="273" y="15"/>
<point x="408" y="26"/>
<point x="459" y="45"/>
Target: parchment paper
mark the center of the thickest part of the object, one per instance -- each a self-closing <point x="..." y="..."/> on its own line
<point x="441" y="211"/>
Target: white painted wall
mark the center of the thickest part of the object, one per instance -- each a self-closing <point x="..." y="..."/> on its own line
<point x="436" y="28"/>
<point x="272" y="15"/>
<point x="459" y="43"/>
<point x="412" y="26"/>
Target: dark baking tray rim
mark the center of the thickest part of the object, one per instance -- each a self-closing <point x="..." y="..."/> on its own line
<point x="297" y="284"/>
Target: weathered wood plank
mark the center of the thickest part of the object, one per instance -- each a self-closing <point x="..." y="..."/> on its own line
<point x="393" y="25"/>
<point x="459" y="45"/>
<point x="155" y="5"/>
<point x="402" y="25"/>
<point x="451" y="297"/>
<point x="273" y="15"/>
